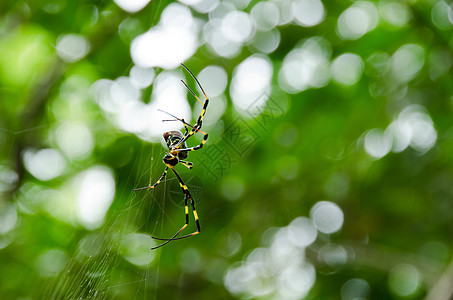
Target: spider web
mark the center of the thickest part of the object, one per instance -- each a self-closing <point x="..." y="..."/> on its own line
<point x="116" y="261"/>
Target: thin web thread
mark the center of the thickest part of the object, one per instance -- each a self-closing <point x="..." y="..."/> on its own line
<point x="88" y="273"/>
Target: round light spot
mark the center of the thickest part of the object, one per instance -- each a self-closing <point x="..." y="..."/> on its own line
<point x="72" y="47"/>
<point x="327" y="217"/>
<point x="8" y="218"/>
<point x="51" y="262"/>
<point x="333" y="255"/>
<point x="301" y="232"/>
<point x="308" y="13"/>
<point x="136" y="249"/>
<point x="404" y="280"/>
<point x="347" y="69"/>
<point x="217" y="41"/>
<point x="266" y="41"/>
<point x="96" y="189"/>
<point x="237" y="26"/>
<point x="142" y="77"/>
<point x="306" y="66"/>
<point x="360" y="18"/>
<point x="266" y="15"/>
<point x="232" y="188"/>
<point x="75" y="140"/>
<point x="441" y="15"/>
<point x="204" y="6"/>
<point x="190" y="261"/>
<point x="231" y="245"/>
<point x="378" y="143"/>
<point x="406" y="62"/>
<point x="295" y="281"/>
<point x="251" y="83"/>
<point x="44" y="164"/>
<point x="8" y="179"/>
<point x="355" y="289"/>
<point x="163" y="46"/>
<point x="190" y="2"/>
<point x="214" y="79"/>
<point x="131" y="6"/>
<point x="395" y="13"/>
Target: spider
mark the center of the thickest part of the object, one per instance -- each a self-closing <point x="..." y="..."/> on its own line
<point x="178" y="152"/>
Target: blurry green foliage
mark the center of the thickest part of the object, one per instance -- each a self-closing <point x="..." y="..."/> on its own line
<point x="330" y="142"/>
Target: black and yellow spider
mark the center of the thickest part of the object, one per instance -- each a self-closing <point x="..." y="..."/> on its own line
<point x="178" y="151"/>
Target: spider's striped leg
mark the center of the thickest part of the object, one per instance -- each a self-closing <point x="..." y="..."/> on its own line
<point x="205" y="138"/>
<point x="154" y="185"/>
<point x="197" y="126"/>
<point x="185" y="126"/>
<point x="187" y="164"/>
<point x="187" y="196"/>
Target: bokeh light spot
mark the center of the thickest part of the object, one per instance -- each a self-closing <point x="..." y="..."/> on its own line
<point x="75" y="140"/>
<point x="442" y="15"/>
<point x="440" y="60"/>
<point x="51" y="262"/>
<point x="132" y="6"/>
<point x="96" y="188"/>
<point x="279" y="271"/>
<point x="301" y="232"/>
<point x="404" y="280"/>
<point x="142" y="77"/>
<point x="308" y="13"/>
<point x="251" y="83"/>
<point x="377" y="143"/>
<point x="355" y="289"/>
<point x="333" y="255"/>
<point x="8" y="218"/>
<point x="347" y="69"/>
<point x="237" y="26"/>
<point x="214" y="79"/>
<point x="72" y="47"/>
<point x="232" y="188"/>
<point x="190" y="260"/>
<point x="204" y="6"/>
<point x="44" y="164"/>
<point x="8" y="179"/>
<point x="170" y="42"/>
<point x="296" y="281"/>
<point x="136" y="249"/>
<point x="266" y="41"/>
<point x="306" y="66"/>
<point x="164" y="47"/>
<point x="413" y="128"/>
<point x="360" y="18"/>
<point x="231" y="245"/>
<point x="327" y="217"/>
<point x="394" y="12"/>
<point x="406" y="62"/>
<point x="266" y="15"/>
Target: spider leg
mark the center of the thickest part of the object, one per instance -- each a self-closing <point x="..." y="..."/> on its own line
<point x="187" y="164"/>
<point x="197" y="126"/>
<point x="185" y="126"/>
<point x="195" y="147"/>
<point x="186" y="135"/>
<point x="154" y="185"/>
<point x="177" y="119"/>
<point x="187" y="197"/>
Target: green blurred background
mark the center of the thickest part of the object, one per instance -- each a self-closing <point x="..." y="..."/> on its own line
<point x="327" y="174"/>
